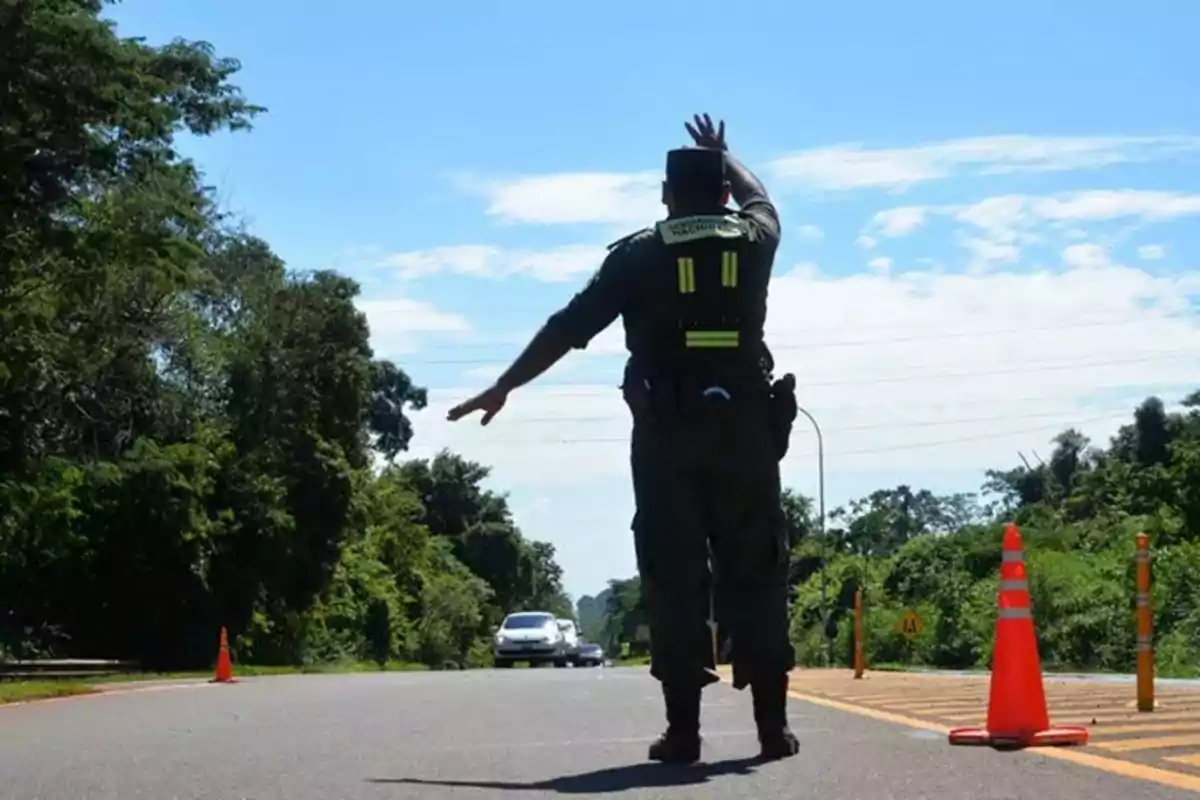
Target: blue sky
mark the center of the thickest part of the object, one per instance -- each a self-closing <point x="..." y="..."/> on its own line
<point x="989" y="214"/>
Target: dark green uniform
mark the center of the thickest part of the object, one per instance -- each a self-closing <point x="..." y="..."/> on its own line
<point x="706" y="439"/>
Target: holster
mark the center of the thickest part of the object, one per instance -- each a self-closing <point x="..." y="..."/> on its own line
<point x="636" y="391"/>
<point x="783" y="413"/>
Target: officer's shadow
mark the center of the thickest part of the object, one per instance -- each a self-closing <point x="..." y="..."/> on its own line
<point x="602" y="781"/>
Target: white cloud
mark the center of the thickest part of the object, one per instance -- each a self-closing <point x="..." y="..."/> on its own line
<point x="534" y="442"/>
<point x="1002" y="225"/>
<point x="881" y="265"/>
<point x="1086" y="256"/>
<point x="633" y="198"/>
<point x="1152" y="252"/>
<point x="811" y="233"/>
<point x="1004" y="214"/>
<point x="852" y="166"/>
<point x="866" y="242"/>
<point x="924" y="378"/>
<point x="985" y="364"/>
<point x="987" y="252"/>
<point x="397" y="324"/>
<point x="899" y="221"/>
<point x="485" y="261"/>
<point x="573" y="197"/>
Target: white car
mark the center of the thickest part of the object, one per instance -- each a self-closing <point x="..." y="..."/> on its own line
<point x="532" y="637"/>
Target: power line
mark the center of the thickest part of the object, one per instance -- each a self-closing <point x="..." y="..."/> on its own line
<point x="1030" y="366"/>
<point x="897" y="447"/>
<point x="828" y="431"/>
<point x="802" y="454"/>
<point x="777" y="345"/>
<point x="977" y="438"/>
<point x="1123" y="319"/>
<point x="840" y="407"/>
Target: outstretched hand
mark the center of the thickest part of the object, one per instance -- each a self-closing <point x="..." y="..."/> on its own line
<point x="489" y="401"/>
<point x="704" y="135"/>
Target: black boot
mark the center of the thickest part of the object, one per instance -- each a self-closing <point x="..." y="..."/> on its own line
<point x="775" y="738"/>
<point x="681" y="742"/>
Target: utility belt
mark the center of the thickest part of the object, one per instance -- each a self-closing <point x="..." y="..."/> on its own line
<point x="673" y="398"/>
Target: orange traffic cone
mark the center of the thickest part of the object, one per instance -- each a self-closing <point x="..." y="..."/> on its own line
<point x="224" y="665"/>
<point x="1016" y="714"/>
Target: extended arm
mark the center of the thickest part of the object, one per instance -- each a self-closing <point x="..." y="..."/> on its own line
<point x="543" y="352"/>
<point x="590" y="311"/>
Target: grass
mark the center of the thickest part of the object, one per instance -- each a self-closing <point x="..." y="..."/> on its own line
<point x="264" y="670"/>
<point x="20" y="691"/>
<point x="632" y="661"/>
<point x="25" y="690"/>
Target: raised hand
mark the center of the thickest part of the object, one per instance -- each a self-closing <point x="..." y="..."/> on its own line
<point x="703" y="133"/>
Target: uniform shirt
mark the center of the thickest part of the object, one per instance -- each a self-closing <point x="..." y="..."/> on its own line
<point x="619" y="287"/>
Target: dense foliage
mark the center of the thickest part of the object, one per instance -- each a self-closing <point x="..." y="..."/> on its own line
<point x="940" y="556"/>
<point x="190" y="433"/>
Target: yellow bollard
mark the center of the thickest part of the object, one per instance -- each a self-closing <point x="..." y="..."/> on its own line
<point x="858" y="635"/>
<point x="1145" y="646"/>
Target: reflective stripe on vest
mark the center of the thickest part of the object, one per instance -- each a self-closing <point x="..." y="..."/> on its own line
<point x="711" y="338"/>
<point x="687" y="274"/>
<point x="729" y="268"/>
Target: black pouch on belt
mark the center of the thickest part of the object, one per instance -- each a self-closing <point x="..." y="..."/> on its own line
<point x="783" y="412"/>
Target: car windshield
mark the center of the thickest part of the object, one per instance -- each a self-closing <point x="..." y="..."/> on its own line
<point x="527" y="621"/>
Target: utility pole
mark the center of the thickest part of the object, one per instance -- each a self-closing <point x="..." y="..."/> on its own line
<point x="821" y="530"/>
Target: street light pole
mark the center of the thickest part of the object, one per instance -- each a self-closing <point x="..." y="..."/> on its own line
<point x="821" y="528"/>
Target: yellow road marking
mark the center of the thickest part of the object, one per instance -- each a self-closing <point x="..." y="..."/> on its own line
<point x="892" y="699"/>
<point x="1100" y="715"/>
<point x="958" y="710"/>
<point x="966" y="708"/>
<point x="1157" y="743"/>
<point x="1114" y="766"/>
<point x="942" y="709"/>
<point x="961" y="705"/>
<point x="1192" y="760"/>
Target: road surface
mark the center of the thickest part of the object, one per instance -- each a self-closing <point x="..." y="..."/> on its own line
<point x="489" y="734"/>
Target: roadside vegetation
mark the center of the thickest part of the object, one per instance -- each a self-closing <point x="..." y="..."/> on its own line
<point x="192" y="435"/>
<point x="1078" y="512"/>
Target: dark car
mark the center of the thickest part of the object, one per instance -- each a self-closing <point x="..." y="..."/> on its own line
<point x="591" y="655"/>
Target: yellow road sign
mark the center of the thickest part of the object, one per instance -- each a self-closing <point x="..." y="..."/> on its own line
<point x="910" y="625"/>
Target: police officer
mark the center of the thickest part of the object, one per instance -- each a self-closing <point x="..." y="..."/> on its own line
<point x="709" y="429"/>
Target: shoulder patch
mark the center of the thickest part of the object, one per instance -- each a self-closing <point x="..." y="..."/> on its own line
<point x="624" y="240"/>
<point x="708" y="226"/>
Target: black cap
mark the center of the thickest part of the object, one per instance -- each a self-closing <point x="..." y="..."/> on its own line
<point x="696" y="171"/>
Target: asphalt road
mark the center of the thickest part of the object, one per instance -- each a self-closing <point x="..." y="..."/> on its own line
<point x="488" y="734"/>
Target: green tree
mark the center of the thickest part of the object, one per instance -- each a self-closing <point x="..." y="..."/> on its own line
<point x="188" y="430"/>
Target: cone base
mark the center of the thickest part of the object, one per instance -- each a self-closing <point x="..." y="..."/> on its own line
<point x="223" y="680"/>
<point x="1054" y="736"/>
